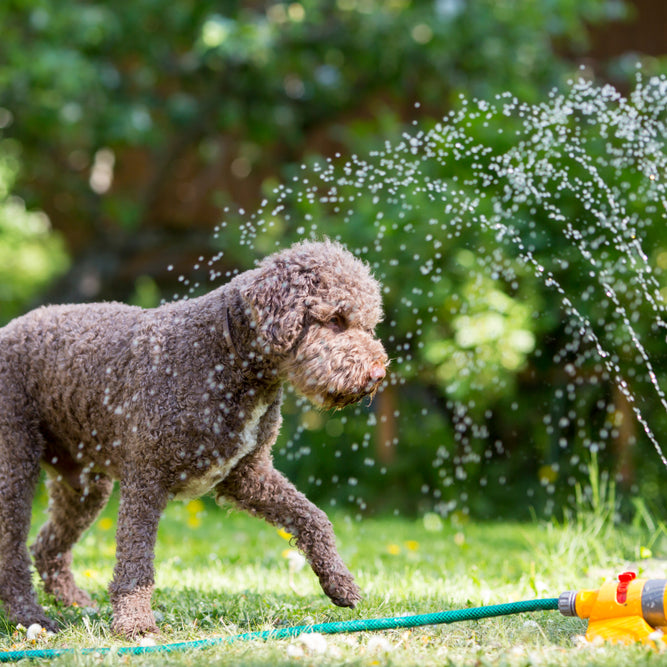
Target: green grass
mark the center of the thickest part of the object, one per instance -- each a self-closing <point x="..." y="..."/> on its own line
<point x="219" y="574"/>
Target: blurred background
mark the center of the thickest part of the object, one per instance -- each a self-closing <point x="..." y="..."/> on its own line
<point x="130" y="130"/>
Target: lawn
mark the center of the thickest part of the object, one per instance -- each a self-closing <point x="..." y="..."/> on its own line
<point x="222" y="573"/>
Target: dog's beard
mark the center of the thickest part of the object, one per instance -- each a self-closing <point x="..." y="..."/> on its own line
<point x="334" y="400"/>
<point x="335" y="370"/>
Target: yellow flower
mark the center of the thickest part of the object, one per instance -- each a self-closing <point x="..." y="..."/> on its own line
<point x="394" y="549"/>
<point x="106" y="523"/>
<point x="547" y="474"/>
<point x="645" y="552"/>
<point x="285" y="535"/>
<point x="411" y="545"/>
<point x="195" y="506"/>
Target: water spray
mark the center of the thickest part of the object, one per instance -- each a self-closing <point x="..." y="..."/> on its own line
<point x="624" y="612"/>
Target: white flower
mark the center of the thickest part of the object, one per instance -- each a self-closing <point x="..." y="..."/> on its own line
<point x="314" y="642"/>
<point x="295" y="651"/>
<point x="34" y="632"/>
<point x="147" y="641"/>
<point x="379" y="644"/>
<point x="656" y="635"/>
<point x="295" y="560"/>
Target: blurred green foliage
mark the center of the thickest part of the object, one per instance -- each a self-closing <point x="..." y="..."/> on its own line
<point x="77" y="77"/>
<point x="110" y="110"/>
<point x="31" y="254"/>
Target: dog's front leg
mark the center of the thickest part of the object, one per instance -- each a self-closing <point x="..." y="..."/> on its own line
<point x="257" y="487"/>
<point x="141" y="504"/>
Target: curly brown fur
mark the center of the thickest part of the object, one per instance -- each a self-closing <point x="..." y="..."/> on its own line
<point x="175" y="402"/>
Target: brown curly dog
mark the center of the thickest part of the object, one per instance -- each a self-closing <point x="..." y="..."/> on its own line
<point x="175" y="402"/>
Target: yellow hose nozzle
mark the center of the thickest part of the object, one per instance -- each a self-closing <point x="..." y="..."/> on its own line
<point x="623" y="612"/>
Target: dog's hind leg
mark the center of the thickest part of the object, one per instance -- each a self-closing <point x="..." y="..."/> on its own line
<point x="19" y="471"/>
<point x="72" y="511"/>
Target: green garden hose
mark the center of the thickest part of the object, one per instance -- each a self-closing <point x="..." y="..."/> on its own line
<point x="338" y="627"/>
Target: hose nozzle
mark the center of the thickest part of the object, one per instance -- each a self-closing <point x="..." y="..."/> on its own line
<point x="627" y="611"/>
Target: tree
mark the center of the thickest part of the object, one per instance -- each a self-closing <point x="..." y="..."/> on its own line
<point x="141" y="126"/>
<point x="137" y="122"/>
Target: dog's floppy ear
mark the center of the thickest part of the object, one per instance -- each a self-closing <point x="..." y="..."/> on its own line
<point x="277" y="297"/>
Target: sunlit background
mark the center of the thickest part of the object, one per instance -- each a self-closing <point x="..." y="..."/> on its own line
<point x="150" y="150"/>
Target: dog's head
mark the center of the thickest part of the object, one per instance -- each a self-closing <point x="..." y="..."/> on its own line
<point x="315" y="306"/>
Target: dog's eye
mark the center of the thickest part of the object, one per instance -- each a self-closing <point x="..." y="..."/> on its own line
<point x="337" y="323"/>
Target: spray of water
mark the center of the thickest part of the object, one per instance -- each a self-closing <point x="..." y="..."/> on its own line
<point x="499" y="210"/>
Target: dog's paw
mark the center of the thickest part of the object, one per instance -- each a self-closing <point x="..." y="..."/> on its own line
<point x="341" y="589"/>
<point x="132" y="614"/>
<point x="135" y="627"/>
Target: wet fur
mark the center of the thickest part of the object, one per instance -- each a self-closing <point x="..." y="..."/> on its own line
<point x="159" y="400"/>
